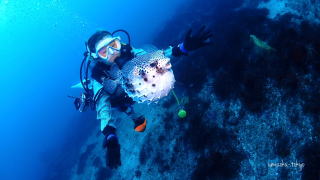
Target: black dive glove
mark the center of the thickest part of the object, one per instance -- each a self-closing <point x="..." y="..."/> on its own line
<point x="193" y="42"/>
<point x="112" y="145"/>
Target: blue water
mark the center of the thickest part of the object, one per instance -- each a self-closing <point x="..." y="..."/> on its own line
<point x="251" y="96"/>
<point x="42" y="45"/>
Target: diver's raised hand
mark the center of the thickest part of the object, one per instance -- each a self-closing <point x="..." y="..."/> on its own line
<point x="196" y="40"/>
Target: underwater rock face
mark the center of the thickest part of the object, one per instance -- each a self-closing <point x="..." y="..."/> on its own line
<point x="305" y="9"/>
<point x="252" y="113"/>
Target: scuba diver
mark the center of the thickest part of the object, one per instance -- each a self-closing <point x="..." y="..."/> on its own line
<point x="104" y="58"/>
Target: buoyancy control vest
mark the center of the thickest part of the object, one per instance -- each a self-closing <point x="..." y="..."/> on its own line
<point x="109" y="75"/>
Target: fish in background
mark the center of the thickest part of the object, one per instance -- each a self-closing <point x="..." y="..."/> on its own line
<point x="261" y="44"/>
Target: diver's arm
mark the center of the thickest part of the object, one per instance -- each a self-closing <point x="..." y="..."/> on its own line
<point x="191" y="42"/>
<point x="129" y="52"/>
<point x="138" y="52"/>
<point x="168" y="52"/>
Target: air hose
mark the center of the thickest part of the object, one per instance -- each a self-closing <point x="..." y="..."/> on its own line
<point x="124" y="31"/>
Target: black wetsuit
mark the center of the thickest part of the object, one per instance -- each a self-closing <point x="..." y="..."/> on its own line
<point x="118" y="99"/>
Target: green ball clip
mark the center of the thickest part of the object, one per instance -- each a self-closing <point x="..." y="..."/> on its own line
<point x="182" y="113"/>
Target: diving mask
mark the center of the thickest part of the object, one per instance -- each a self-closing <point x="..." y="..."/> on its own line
<point x="108" y="47"/>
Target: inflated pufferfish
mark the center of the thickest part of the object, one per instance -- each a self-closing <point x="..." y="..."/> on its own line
<point x="148" y="77"/>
